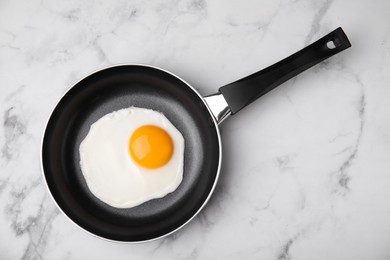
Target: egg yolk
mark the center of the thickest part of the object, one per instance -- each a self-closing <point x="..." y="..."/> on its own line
<point x="151" y="146"/>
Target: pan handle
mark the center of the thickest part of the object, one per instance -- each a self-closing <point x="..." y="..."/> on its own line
<point x="241" y="93"/>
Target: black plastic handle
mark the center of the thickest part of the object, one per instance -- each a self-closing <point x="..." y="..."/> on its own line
<point x="241" y="93"/>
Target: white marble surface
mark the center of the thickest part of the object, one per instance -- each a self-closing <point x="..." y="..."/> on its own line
<point x="306" y="169"/>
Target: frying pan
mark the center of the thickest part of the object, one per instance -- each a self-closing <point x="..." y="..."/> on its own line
<point x="196" y="117"/>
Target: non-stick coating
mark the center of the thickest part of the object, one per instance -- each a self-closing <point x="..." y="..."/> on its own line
<point x="113" y="89"/>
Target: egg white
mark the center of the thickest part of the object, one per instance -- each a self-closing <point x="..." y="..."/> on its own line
<point x="110" y="172"/>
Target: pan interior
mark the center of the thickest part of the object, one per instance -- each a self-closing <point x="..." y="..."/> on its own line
<point x="110" y="90"/>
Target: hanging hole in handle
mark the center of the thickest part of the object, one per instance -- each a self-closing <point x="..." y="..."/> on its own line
<point x="330" y="44"/>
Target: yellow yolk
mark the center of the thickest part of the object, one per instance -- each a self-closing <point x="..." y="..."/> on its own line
<point x="151" y="146"/>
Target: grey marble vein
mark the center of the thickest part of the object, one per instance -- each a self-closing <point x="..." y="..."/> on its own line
<point x="39" y="233"/>
<point x="316" y="23"/>
<point x="36" y="226"/>
<point x="11" y="95"/>
<point x="208" y="219"/>
<point x="14" y="127"/>
<point x="199" y="5"/>
<point x="285" y="252"/>
<point x="3" y="184"/>
<point x="72" y="15"/>
<point x="284" y="161"/>
<point x="95" y="44"/>
<point x="167" y="241"/>
<point x="193" y="255"/>
<point x="13" y="209"/>
<point x="10" y="43"/>
<point x="344" y="177"/>
<point x="386" y="34"/>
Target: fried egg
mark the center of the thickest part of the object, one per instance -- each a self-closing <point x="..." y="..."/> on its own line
<point x="131" y="156"/>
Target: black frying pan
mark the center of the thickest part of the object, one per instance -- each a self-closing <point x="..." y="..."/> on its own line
<point x="197" y="118"/>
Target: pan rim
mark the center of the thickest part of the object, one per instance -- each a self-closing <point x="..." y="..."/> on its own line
<point x="216" y="176"/>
